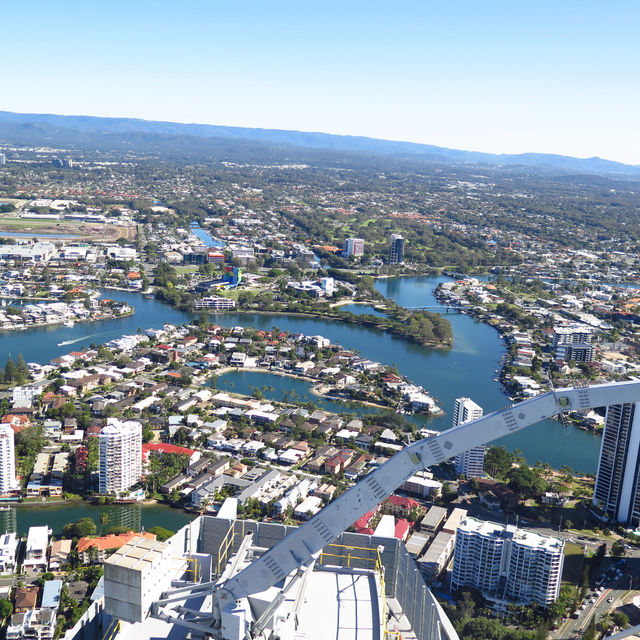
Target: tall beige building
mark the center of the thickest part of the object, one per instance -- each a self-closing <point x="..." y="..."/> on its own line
<point x="120" y="445"/>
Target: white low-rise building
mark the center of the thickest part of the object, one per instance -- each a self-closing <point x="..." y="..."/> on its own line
<point x="308" y="507"/>
<point x="8" y="551"/>
<point x="35" y="556"/>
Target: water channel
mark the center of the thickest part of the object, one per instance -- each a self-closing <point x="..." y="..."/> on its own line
<point x="468" y="369"/>
<point x="133" y="516"/>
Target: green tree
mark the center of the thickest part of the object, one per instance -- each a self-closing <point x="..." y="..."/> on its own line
<point x="618" y="618"/>
<point x="6" y="608"/>
<point x="497" y="462"/>
<point x="10" y="370"/>
<point x="618" y="549"/>
<point x="590" y="631"/>
<point x="525" y="482"/>
<point x="80" y="529"/>
<point x="162" y="534"/>
<point x="104" y="520"/>
<point x="45" y="577"/>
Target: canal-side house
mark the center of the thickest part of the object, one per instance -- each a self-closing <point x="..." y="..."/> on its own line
<point x="59" y="554"/>
<point x="36" y="549"/>
<point x="96" y="550"/>
<point x="8" y="552"/>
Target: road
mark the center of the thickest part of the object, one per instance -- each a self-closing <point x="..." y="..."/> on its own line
<point x="620" y="590"/>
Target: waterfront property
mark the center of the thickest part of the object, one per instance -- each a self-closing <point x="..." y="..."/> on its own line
<point x="469" y="364"/>
<point x="506" y="563"/>
<point x="120" y="456"/>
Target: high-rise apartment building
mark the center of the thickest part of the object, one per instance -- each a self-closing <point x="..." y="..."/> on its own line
<point x="3" y="159"/>
<point x="469" y="463"/>
<point x="507" y="563"/>
<point x="618" y="478"/>
<point x="573" y="342"/>
<point x="7" y="461"/>
<point x="120" y="446"/>
<point x="353" y="247"/>
<point x="396" y="249"/>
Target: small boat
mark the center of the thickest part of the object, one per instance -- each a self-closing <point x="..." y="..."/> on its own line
<point x="65" y="343"/>
<point x="5" y="508"/>
<point x="69" y="323"/>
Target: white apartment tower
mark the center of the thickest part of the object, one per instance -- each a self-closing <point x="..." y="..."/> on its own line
<point x="7" y="461"/>
<point x="120" y="455"/>
<point x="617" y="489"/>
<point x="353" y="247"/>
<point x="469" y="463"/>
<point x="507" y="563"/>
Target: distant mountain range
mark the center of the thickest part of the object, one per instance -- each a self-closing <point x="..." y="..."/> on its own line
<point x="321" y="141"/>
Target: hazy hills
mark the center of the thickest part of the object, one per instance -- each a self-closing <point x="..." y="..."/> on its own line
<point x="23" y="127"/>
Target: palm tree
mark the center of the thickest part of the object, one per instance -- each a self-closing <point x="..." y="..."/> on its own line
<point x="104" y="520"/>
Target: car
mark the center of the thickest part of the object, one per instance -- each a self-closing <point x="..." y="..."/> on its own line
<point x="609" y="600"/>
<point x="601" y="589"/>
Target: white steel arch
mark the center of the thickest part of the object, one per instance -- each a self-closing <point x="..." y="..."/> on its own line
<point x="299" y="547"/>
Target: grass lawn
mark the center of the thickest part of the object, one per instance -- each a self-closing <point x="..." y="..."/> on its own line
<point x="569" y="514"/>
<point x="573" y="559"/>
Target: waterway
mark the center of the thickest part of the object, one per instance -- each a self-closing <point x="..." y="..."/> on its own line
<point x="468" y="369"/>
<point x="361" y="309"/>
<point x="40" y="344"/>
<point x="133" y="516"/>
<point x="285" y="389"/>
<point x="209" y="240"/>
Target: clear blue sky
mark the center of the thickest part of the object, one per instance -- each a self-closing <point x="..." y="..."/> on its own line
<point x="510" y="76"/>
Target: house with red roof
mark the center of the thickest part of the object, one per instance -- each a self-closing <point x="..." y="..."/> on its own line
<point x="401" y="506"/>
<point x="96" y="550"/>
<point x="17" y="422"/>
<point x="338" y="462"/>
<point x="161" y="448"/>
<point x="361" y="525"/>
<point x="402" y="529"/>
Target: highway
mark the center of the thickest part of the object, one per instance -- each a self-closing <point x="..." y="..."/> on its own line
<point x="619" y="590"/>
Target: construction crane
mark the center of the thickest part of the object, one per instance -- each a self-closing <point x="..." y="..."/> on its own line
<point x="300" y="548"/>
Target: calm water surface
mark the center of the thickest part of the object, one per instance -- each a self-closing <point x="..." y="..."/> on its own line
<point x="134" y="516"/>
<point x="468" y="369"/>
<point x="361" y="309"/>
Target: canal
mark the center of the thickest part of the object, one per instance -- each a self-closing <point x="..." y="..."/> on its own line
<point x="133" y="516"/>
<point x="468" y="369"/>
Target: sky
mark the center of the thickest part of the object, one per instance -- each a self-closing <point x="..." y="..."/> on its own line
<point x="510" y="76"/>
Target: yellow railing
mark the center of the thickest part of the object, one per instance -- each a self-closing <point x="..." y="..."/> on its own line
<point x="226" y="545"/>
<point x="194" y="568"/>
<point x="112" y="630"/>
<point x="350" y="554"/>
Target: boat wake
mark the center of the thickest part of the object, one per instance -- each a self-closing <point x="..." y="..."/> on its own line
<point x="91" y="335"/>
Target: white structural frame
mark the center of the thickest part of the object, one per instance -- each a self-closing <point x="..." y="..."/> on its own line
<point x="298" y="551"/>
<point x="298" y="548"/>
